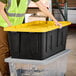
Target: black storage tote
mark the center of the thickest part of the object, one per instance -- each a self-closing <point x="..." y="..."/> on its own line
<point x="38" y="43"/>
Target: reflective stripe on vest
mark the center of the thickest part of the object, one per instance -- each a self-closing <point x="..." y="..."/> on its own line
<point x="15" y="13"/>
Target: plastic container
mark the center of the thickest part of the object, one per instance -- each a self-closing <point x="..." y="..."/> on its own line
<point x="54" y="66"/>
<point x="37" y="40"/>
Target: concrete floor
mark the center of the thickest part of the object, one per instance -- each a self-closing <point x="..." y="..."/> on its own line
<point x="71" y="44"/>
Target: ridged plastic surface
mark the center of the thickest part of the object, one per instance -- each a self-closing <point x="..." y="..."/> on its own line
<point x="53" y="66"/>
<point x="37" y="40"/>
<point x="36" y="26"/>
<point x="25" y="45"/>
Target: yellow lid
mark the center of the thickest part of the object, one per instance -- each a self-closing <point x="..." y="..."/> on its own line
<point x="36" y="26"/>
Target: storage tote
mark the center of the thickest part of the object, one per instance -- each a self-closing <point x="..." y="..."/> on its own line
<point x="37" y="40"/>
<point x="53" y="66"/>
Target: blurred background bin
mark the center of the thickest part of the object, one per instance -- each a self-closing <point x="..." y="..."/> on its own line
<point x="55" y="65"/>
<point x="37" y="40"/>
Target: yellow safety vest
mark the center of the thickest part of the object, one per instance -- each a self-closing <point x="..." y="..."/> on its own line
<point x="15" y="13"/>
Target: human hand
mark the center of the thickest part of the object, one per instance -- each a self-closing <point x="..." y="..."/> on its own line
<point x="58" y="24"/>
<point x="9" y="25"/>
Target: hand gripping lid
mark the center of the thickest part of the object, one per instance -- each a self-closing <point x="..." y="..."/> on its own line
<point x="36" y="26"/>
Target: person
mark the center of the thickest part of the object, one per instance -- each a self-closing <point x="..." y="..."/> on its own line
<point x="12" y="13"/>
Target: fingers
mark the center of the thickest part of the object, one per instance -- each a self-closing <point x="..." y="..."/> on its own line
<point x="58" y="24"/>
<point x="9" y="26"/>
